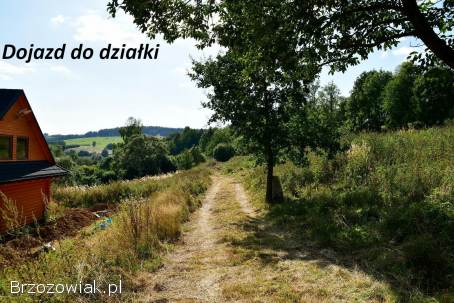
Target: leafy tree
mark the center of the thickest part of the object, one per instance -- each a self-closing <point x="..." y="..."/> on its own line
<point x="257" y="78"/>
<point x="317" y="124"/>
<point x="364" y="107"/>
<point x="86" y="175"/>
<point x="329" y="32"/>
<point x="105" y="153"/>
<point x="197" y="155"/>
<point x="223" y="152"/>
<point x="434" y="95"/>
<point x="133" y="127"/>
<point x="188" y="138"/>
<point x="329" y="97"/>
<point x="214" y="136"/>
<point x="189" y="158"/>
<point x="106" y="163"/>
<point x="141" y="156"/>
<point x="184" y="160"/>
<point x="398" y="96"/>
<point x="343" y="32"/>
<point x="253" y="93"/>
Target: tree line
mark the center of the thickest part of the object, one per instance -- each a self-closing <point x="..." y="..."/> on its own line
<point x="113" y="132"/>
<point x="410" y="97"/>
<point x="141" y="155"/>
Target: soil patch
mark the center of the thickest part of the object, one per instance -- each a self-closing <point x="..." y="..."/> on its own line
<point x="67" y="225"/>
<point x="25" y="247"/>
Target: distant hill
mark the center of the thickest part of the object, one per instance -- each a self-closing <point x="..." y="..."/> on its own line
<point x="114" y="132"/>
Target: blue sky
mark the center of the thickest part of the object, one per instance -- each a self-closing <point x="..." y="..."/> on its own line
<point x="70" y="96"/>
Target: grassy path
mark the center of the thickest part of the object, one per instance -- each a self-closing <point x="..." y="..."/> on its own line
<point x="229" y="254"/>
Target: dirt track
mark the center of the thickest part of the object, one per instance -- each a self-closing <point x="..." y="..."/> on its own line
<point x="230" y="254"/>
<point x="193" y="271"/>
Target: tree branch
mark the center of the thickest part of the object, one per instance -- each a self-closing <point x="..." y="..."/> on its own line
<point x="377" y="42"/>
<point x="425" y="32"/>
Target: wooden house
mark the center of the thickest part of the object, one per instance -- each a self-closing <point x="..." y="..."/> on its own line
<point x="26" y="163"/>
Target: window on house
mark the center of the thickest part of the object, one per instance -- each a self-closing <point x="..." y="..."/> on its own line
<point x="22" y="148"/>
<point x="6" y="148"/>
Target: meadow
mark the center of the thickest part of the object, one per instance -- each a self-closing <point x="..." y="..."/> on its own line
<point x="87" y="143"/>
<point x="384" y="204"/>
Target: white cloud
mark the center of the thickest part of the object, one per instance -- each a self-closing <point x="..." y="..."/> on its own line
<point x="92" y="27"/>
<point x="187" y="84"/>
<point x="57" y="20"/>
<point x="403" y="51"/>
<point x="384" y="54"/>
<point x="181" y="70"/>
<point x="8" y="70"/>
<point x="61" y="69"/>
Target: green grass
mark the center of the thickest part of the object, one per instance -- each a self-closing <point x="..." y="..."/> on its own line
<point x="385" y="204"/>
<point x="86" y="143"/>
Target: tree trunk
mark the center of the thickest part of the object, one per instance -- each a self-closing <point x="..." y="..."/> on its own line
<point x="269" y="176"/>
<point x="425" y="32"/>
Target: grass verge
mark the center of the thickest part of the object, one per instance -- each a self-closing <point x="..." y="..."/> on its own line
<point x="143" y="228"/>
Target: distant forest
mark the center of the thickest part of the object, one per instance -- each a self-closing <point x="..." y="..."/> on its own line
<point x="113" y="132"/>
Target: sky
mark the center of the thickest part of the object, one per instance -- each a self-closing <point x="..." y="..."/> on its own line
<point x="76" y="96"/>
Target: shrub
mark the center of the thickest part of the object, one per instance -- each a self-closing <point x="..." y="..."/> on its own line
<point x="84" y="153"/>
<point x="184" y="160"/>
<point x="358" y="162"/>
<point x="320" y="166"/>
<point x="223" y="152"/>
<point x="293" y="178"/>
<point x="197" y="155"/>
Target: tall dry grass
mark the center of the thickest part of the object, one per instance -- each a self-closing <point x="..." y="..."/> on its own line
<point x="115" y="192"/>
<point x="142" y="229"/>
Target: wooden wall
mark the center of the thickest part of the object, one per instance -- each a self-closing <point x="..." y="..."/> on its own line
<point x="29" y="197"/>
<point x="13" y="125"/>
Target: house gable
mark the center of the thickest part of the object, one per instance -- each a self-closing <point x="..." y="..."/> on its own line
<point x="19" y="121"/>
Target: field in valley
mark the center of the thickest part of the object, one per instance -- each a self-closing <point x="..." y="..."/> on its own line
<point x="87" y="143"/>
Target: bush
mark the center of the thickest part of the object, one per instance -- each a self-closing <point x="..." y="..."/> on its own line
<point x="188" y="158"/>
<point x="105" y="153"/>
<point x="84" y="153"/>
<point x="358" y="162"/>
<point x="223" y="152"/>
<point x="142" y="156"/>
<point x="320" y="166"/>
<point x="184" y="160"/>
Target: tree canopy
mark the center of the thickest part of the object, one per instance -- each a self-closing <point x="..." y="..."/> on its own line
<point x="133" y="127"/>
<point x="254" y="94"/>
<point x="365" y="102"/>
<point x="325" y="32"/>
<point x="398" y="101"/>
<point x="275" y="50"/>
